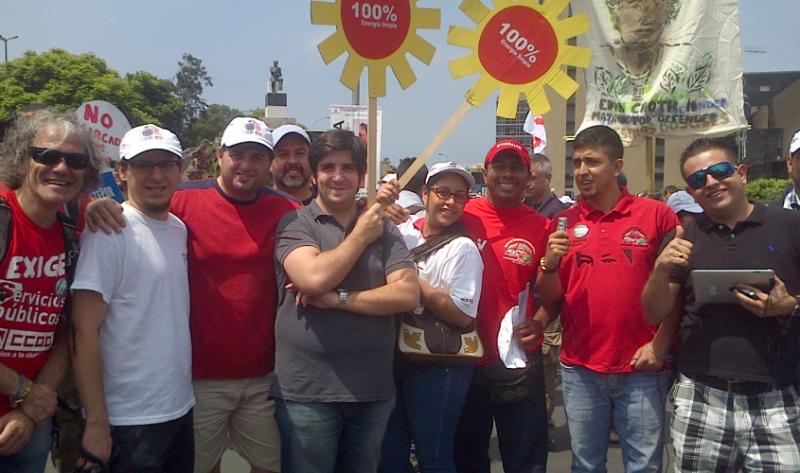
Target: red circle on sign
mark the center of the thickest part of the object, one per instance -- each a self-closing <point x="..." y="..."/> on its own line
<point x="376" y="29"/>
<point x="518" y="45"/>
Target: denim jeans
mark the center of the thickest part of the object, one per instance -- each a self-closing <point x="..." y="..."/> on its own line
<point x="327" y="437"/>
<point x="33" y="456"/>
<point x="167" y="447"/>
<point x="636" y="403"/>
<point x="521" y="428"/>
<point x="429" y="402"/>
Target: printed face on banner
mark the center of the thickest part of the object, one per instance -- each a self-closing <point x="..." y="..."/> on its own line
<point x="641" y="22"/>
<point x="652" y="74"/>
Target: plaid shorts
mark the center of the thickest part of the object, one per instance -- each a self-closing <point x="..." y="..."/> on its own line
<point x="716" y="431"/>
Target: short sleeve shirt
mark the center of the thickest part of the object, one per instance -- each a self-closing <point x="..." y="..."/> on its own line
<point x="725" y="340"/>
<point x="511" y="241"/>
<point x="603" y="274"/>
<point x="455" y="267"/>
<point x="32" y="290"/>
<point x="331" y="355"/>
<point x="145" y="343"/>
<point x="230" y="243"/>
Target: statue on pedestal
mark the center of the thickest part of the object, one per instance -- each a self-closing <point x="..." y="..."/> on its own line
<point x="276" y="78"/>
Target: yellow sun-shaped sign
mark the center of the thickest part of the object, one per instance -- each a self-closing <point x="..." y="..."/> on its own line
<point x="377" y="34"/>
<point x="518" y="47"/>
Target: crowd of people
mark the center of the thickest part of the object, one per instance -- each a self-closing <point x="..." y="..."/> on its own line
<point x="314" y="332"/>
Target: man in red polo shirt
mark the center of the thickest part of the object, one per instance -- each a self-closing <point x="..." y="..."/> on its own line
<point x="511" y="238"/>
<point x="612" y="359"/>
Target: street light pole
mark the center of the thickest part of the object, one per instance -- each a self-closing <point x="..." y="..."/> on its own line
<point x="5" y="43"/>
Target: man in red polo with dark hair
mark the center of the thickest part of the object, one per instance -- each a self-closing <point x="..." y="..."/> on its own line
<point x="613" y="361"/>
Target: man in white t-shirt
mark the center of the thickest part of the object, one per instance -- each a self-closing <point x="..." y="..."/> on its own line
<point x="132" y="351"/>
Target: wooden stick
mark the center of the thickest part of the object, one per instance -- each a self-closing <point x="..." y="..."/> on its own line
<point x="650" y="163"/>
<point x="372" y="149"/>
<point x="435" y="143"/>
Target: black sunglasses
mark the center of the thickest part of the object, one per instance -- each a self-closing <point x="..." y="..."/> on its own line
<point x="51" y="157"/>
<point x="720" y="171"/>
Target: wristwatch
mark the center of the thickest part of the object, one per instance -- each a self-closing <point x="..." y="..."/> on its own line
<point x="343" y="294"/>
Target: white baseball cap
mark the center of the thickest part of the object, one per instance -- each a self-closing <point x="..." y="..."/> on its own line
<point x="284" y="130"/>
<point x="146" y="138"/>
<point x="795" y="145"/>
<point x="450" y="166"/>
<point x="246" y="130"/>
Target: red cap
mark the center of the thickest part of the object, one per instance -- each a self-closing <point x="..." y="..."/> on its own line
<point x="508" y="146"/>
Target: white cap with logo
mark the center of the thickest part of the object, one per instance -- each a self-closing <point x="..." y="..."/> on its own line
<point x="147" y="138"/>
<point x="246" y="130"/>
<point x="283" y="130"/>
<point x="450" y="166"/>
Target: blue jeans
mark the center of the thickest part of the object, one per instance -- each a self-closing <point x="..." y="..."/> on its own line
<point x="429" y="401"/>
<point x="636" y="403"/>
<point x="33" y="456"/>
<point x="521" y="427"/>
<point x="327" y="437"/>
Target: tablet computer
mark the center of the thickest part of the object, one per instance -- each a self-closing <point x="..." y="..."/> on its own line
<point x="713" y="286"/>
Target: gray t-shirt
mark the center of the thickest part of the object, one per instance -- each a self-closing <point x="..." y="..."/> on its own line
<point x="331" y="355"/>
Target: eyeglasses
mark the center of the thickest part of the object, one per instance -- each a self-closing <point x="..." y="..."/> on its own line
<point x="720" y="171"/>
<point x="148" y="166"/>
<point x="51" y="157"/>
<point x="444" y="193"/>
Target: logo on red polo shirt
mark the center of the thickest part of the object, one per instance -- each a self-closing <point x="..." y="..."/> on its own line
<point x="519" y="251"/>
<point x="634" y="237"/>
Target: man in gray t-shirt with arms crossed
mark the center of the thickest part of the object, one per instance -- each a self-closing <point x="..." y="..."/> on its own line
<point x="347" y="274"/>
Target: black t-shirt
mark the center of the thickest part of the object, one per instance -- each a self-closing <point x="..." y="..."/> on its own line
<point x="725" y="340"/>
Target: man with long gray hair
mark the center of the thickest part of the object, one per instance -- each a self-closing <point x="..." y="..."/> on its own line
<point x="45" y="160"/>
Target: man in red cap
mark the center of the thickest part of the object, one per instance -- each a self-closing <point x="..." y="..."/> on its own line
<point x="511" y="238"/>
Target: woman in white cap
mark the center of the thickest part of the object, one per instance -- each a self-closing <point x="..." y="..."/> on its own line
<point x="431" y="393"/>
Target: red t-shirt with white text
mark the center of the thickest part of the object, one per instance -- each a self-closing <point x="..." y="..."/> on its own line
<point x="511" y="242"/>
<point x="33" y="286"/>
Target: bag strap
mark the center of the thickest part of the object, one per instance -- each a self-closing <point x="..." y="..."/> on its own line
<point x="5" y="226"/>
<point x="426" y="249"/>
<point x="71" y="250"/>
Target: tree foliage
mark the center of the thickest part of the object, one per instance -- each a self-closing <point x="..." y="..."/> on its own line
<point x="63" y="81"/>
<point x="158" y="100"/>
<point x="386" y="166"/>
<point x="209" y="124"/>
<point x="766" y="189"/>
<point x="190" y="81"/>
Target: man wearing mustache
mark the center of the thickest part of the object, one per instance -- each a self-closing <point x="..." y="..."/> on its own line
<point x="290" y="170"/>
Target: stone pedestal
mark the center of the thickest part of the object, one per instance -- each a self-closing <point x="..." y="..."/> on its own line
<point x="276" y="105"/>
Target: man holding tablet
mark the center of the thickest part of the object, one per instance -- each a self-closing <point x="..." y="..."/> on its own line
<point x="738" y="357"/>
